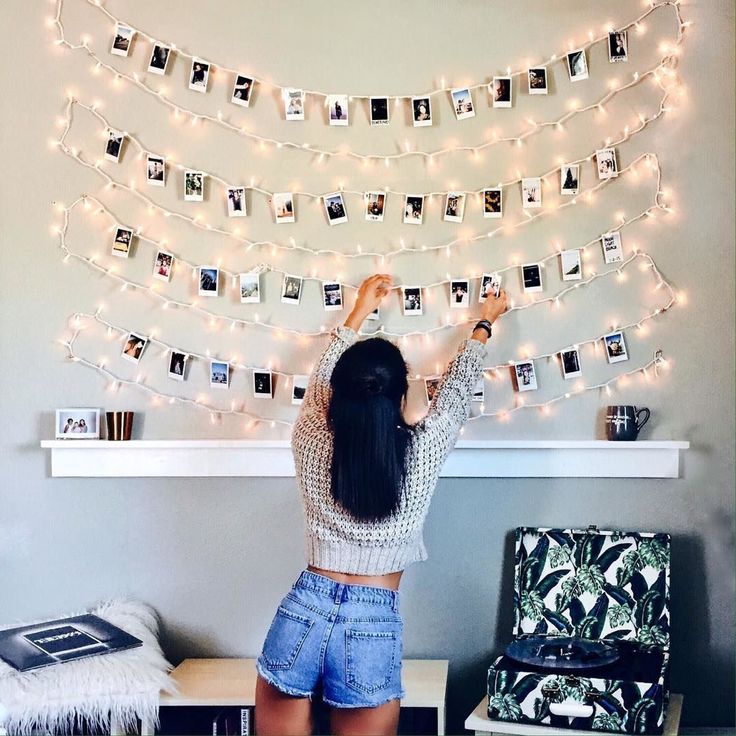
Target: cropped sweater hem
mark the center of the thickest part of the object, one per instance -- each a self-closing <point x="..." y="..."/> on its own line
<point x="360" y="559"/>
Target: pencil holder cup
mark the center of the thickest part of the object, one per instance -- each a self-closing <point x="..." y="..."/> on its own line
<point x="119" y="425"/>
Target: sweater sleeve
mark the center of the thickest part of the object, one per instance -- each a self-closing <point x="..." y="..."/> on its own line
<point x="450" y="405"/>
<point x="318" y="391"/>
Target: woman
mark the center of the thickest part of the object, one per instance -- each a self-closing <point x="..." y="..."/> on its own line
<point x="366" y="479"/>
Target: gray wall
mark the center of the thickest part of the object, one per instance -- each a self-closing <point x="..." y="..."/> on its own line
<point x="214" y="556"/>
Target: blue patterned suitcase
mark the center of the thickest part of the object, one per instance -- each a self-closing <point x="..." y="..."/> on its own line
<point x="606" y="586"/>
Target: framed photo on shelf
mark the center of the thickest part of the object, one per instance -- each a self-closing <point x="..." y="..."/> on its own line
<point x="77" y="424"/>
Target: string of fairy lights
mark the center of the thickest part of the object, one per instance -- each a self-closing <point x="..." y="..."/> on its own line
<point x="238" y="408"/>
<point x="198" y="221"/>
<point x="663" y="76"/>
<point x="179" y="111"/>
<point x="94" y="207"/>
<point x="144" y="152"/>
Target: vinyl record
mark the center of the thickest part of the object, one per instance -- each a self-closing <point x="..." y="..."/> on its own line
<point x="564" y="652"/>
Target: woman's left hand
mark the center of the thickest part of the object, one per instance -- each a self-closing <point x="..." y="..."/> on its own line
<point x="371" y="292"/>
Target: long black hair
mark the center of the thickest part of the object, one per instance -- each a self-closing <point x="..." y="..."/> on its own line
<point x="370" y="437"/>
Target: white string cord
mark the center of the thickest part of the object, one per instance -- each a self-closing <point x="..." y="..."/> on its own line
<point x="663" y="69"/>
<point x="151" y="289"/>
<point x="494" y="371"/>
<point x="197" y="222"/>
<point x="224" y="184"/>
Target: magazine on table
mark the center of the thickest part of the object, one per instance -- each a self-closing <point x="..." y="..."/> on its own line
<point x="62" y="640"/>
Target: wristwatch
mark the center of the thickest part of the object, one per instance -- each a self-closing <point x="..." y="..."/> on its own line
<point x="486" y="325"/>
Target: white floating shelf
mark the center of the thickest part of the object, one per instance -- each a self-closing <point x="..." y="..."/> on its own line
<point x="264" y="458"/>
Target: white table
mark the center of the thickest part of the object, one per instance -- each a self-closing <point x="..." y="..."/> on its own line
<point x="479" y="722"/>
<point x="232" y="681"/>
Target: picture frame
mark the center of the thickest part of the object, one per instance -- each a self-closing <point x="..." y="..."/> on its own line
<point x="67" y="425"/>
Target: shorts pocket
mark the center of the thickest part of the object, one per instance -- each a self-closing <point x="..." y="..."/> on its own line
<point x="285" y="637"/>
<point x="370" y="658"/>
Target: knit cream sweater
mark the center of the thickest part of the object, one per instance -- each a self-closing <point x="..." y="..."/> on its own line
<point x="335" y="540"/>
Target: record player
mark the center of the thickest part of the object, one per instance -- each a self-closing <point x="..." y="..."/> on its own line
<point x="591" y="632"/>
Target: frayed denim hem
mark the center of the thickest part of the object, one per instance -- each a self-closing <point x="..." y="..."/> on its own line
<point x="268" y="677"/>
<point x="400" y="696"/>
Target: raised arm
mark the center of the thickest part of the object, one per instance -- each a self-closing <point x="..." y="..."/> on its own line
<point x="450" y="403"/>
<point x="317" y="394"/>
<point x="449" y="408"/>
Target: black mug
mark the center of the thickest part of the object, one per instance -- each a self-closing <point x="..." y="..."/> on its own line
<point x="622" y="422"/>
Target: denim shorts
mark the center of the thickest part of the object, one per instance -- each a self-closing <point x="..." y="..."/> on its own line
<point x="338" y="641"/>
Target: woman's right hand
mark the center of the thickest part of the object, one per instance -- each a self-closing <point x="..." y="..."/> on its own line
<point x="494" y="306"/>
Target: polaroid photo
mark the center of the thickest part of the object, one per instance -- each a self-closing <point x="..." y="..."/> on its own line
<point x="577" y="65"/>
<point x="531" y="277"/>
<point x="122" y="40"/>
<point x="379" y="110"/>
<point x="537" y="77"/>
<point x="375" y="203"/>
<point x="242" y="90"/>
<point x="177" y="365"/>
<point x="606" y="163"/>
<point x="335" y="208"/>
<point x="613" y="251"/>
<point x="133" y="347"/>
<point x="338" y="107"/>
<point x="219" y="374"/>
<point x="615" y="347"/>
<point x="77" y="424"/>
<point x="459" y="293"/>
<point x="462" y="103"/>
<point x="479" y="391"/>
<point x="283" y="207"/>
<point x="209" y="281"/>
<point x="332" y="295"/>
<point x="250" y="288"/>
<point x="193" y="186"/>
<point x="163" y="266"/>
<point x="526" y="377"/>
<point x="156" y="170"/>
<point x="531" y="192"/>
<point x="413" y="209"/>
<point x="121" y="242"/>
<point x="262" y="384"/>
<point x="291" y="289"/>
<point x="236" y="206"/>
<point x="114" y="145"/>
<point x="569" y="179"/>
<point x="490" y="283"/>
<point x="571" y="265"/>
<point x="199" y="75"/>
<point x="159" y="59"/>
<point x="411" y="299"/>
<point x="570" y="363"/>
<point x="500" y="89"/>
<point x="374" y="314"/>
<point x="618" y="46"/>
<point x="293" y="103"/>
<point x="299" y="388"/>
<point x="430" y="388"/>
<point x="454" y="207"/>
<point x="493" y="203"/>
<point x="421" y="111"/>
